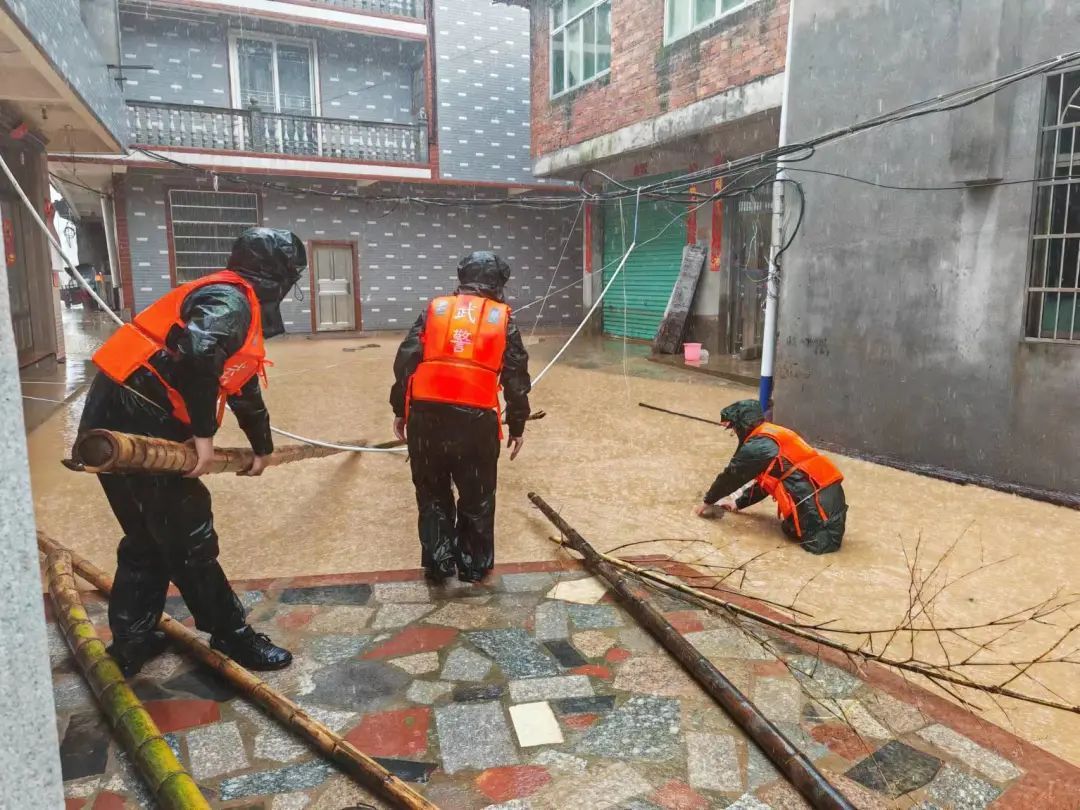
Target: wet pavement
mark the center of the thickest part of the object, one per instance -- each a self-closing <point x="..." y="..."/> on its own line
<point x="620" y="474"/>
<point x="535" y="691"/>
<point x="48" y="385"/>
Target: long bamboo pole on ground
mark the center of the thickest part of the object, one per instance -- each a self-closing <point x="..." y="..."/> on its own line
<point x="109" y="451"/>
<point x="791" y="762"/>
<point x="170" y="784"/>
<point x="289" y="714"/>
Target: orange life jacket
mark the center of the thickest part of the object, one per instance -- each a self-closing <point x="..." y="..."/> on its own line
<point x="133" y="344"/>
<point x="464" y="341"/>
<point x="795" y="454"/>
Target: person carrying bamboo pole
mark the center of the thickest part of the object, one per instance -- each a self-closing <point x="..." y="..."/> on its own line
<point x="448" y="373"/>
<point x="805" y="484"/>
<point x="169" y="374"/>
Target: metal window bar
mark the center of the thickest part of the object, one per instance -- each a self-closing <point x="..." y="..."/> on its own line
<point x="204" y="225"/>
<point x="1054" y="274"/>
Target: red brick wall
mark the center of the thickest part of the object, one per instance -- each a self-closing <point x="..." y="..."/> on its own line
<point x="648" y="79"/>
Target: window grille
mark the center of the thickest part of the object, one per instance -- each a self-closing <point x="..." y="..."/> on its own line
<point x="204" y="226"/>
<point x="1053" y="305"/>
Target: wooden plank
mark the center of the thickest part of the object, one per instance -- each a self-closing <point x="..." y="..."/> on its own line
<point x="669" y="337"/>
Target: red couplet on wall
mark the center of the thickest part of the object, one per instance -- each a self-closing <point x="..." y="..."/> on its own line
<point x="716" y="244"/>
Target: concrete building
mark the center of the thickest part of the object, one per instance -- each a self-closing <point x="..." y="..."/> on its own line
<point x="642" y="89"/>
<point x="939" y="327"/>
<point x="307" y="116"/>
<point x="54" y="89"/>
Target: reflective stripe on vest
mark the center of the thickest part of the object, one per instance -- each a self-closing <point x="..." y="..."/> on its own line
<point x="795" y="454"/>
<point x="464" y="341"/>
<point x="133" y="344"/>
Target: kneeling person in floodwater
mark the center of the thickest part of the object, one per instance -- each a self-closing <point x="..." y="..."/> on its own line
<point x="169" y="374"/>
<point x="805" y="485"/>
<point x="448" y="374"/>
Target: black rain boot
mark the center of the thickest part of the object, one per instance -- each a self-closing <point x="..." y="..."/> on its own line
<point x="252" y="650"/>
<point x="131" y="655"/>
<point x="473" y="576"/>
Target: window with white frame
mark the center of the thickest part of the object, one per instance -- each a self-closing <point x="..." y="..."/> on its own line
<point x="685" y="16"/>
<point x="580" y="42"/>
<point x="204" y="226"/>
<point x="277" y="73"/>
<point x="1053" y="298"/>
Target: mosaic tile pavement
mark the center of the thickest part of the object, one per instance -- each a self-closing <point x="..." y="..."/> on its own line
<point x="500" y="696"/>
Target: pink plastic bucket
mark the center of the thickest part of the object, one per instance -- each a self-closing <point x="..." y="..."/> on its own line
<point x="691" y="352"/>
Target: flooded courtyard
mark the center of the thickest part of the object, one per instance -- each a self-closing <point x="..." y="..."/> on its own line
<point x="621" y="475"/>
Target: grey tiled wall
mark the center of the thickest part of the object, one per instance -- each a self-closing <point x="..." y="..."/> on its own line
<point x="408" y="253"/>
<point x="360" y="77"/>
<point x="58" y="29"/>
<point x="482" y="83"/>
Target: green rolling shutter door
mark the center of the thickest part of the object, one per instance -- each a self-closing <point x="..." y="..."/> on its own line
<point x="635" y="304"/>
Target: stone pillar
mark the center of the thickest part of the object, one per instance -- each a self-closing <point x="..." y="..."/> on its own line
<point x="29" y="752"/>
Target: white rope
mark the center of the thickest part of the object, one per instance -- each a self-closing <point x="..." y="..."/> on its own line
<point x="119" y="321"/>
<point x="598" y="301"/>
<point x="558" y="264"/>
<point x="332" y="446"/>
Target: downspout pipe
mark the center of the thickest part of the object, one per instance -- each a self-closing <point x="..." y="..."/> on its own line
<point x="772" y="293"/>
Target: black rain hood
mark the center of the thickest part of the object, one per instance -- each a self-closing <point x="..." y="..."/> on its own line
<point x="483" y="273"/>
<point x="271" y="261"/>
<point x="744" y="416"/>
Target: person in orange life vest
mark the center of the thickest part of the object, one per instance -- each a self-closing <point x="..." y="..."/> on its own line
<point x="805" y="485"/>
<point x="448" y="373"/>
<point x="169" y="374"/>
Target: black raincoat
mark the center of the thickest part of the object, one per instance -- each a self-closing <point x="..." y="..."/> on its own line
<point x="459" y="446"/>
<point x="753" y="457"/>
<point x="167" y="520"/>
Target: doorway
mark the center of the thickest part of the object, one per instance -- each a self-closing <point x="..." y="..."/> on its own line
<point x="749" y="223"/>
<point x="334" y="287"/>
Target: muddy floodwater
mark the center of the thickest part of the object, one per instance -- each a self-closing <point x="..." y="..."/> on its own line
<point x="619" y="474"/>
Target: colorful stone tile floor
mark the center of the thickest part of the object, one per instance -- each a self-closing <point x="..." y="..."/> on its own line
<point x="499" y="696"/>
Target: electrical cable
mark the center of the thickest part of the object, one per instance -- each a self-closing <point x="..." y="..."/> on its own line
<point x="954" y="187"/>
<point x="796" y="152"/>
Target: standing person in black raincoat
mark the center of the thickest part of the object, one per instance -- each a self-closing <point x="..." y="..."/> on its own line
<point x="805" y="485"/>
<point x="448" y="372"/>
<point x="168" y="375"/>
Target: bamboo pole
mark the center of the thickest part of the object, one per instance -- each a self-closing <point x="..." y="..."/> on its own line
<point x="683" y="415"/>
<point x="355" y="763"/>
<point x="170" y="784"/>
<point x="109" y="451"/>
<point x="791" y="762"/>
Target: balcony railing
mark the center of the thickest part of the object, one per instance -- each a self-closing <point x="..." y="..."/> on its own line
<point x="271" y="133"/>
<point x="400" y="8"/>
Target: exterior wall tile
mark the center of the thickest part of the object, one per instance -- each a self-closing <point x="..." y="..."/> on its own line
<point x="58" y="29"/>
<point x="408" y="254"/>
